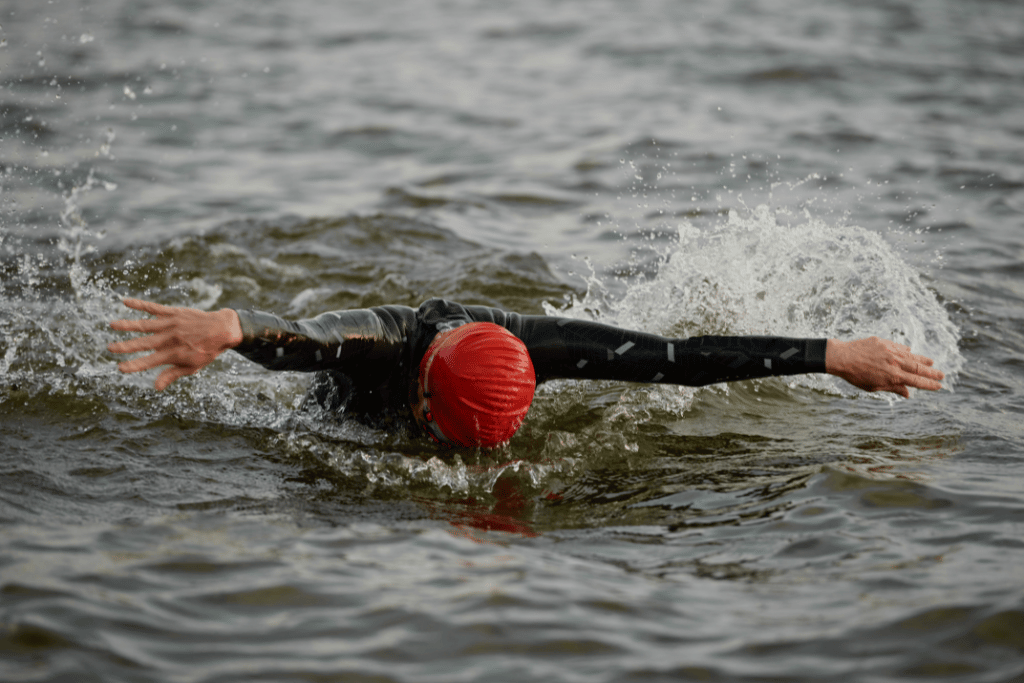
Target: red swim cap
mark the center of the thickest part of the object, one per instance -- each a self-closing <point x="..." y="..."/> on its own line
<point x="478" y="380"/>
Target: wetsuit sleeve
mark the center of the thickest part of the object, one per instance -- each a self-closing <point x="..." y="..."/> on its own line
<point x="568" y="348"/>
<point x="341" y="340"/>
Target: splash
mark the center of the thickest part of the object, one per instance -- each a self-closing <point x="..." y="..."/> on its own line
<point x="755" y="274"/>
<point x="41" y="326"/>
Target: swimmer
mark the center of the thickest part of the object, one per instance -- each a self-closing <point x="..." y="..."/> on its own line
<point x="465" y="375"/>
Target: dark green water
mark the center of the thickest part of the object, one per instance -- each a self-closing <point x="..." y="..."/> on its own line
<point x="797" y="168"/>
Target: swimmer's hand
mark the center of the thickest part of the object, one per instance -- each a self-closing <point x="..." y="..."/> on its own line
<point x="875" y="364"/>
<point x="186" y="339"/>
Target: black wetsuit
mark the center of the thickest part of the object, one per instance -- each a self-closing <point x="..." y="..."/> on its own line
<point x="367" y="361"/>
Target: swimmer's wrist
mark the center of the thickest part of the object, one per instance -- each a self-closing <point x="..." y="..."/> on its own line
<point x="231" y="327"/>
<point x="834" y="356"/>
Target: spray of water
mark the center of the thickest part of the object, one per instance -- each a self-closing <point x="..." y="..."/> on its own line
<point x="803" y="277"/>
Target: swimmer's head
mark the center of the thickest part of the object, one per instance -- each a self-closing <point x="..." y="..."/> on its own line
<point x="475" y="387"/>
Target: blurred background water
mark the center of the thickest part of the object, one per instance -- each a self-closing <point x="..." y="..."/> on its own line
<point x="758" y="166"/>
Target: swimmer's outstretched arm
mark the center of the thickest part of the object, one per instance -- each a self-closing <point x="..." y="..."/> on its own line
<point x="576" y="349"/>
<point x="186" y="339"/>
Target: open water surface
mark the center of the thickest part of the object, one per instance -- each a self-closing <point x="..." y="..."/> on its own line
<point x="758" y="166"/>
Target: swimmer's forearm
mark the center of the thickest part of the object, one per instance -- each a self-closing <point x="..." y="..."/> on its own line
<point x="578" y="349"/>
<point x="330" y="341"/>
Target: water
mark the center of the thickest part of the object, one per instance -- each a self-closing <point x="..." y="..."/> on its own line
<point x="746" y="167"/>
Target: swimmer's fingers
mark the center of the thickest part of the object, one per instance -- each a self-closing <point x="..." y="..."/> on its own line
<point x="164" y="319"/>
<point x="137" y="344"/>
<point x="919" y="373"/>
<point x="142" y="325"/>
<point x="918" y="367"/>
<point x="153" y="360"/>
<point x="149" y="307"/>
<point x="156" y="359"/>
<point x="923" y="360"/>
<point x="903" y="352"/>
<point x="171" y="374"/>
